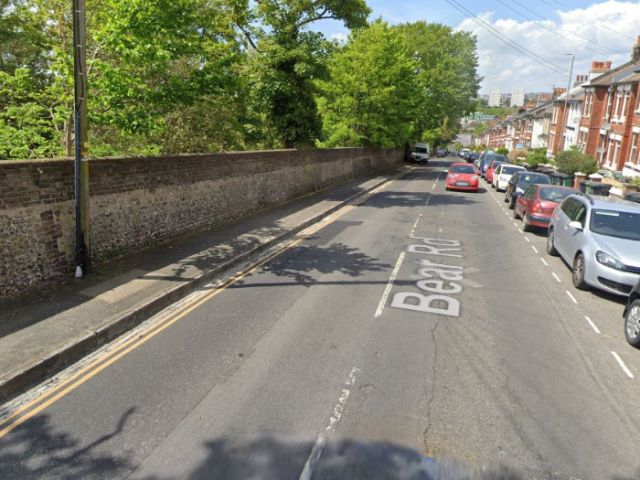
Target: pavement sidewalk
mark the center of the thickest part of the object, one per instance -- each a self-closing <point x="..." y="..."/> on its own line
<point x="46" y="330"/>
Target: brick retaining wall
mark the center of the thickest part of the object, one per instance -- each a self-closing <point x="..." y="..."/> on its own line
<point x="139" y="201"/>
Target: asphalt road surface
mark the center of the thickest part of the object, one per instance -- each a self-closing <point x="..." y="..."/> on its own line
<point x="420" y="322"/>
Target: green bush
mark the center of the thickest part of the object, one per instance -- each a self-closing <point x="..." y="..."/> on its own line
<point x="572" y="161"/>
<point x="502" y="151"/>
<point x="535" y="159"/>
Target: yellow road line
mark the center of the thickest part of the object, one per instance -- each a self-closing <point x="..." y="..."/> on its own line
<point x="112" y="356"/>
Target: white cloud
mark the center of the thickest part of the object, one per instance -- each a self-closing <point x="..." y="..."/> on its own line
<point x="504" y="67"/>
<point x="341" y="37"/>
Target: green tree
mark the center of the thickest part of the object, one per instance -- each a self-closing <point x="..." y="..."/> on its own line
<point x="372" y="96"/>
<point x="573" y="160"/>
<point x="287" y="59"/>
<point x="447" y="70"/>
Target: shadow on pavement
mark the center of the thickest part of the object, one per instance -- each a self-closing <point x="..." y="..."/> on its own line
<point x="35" y="451"/>
<point x="267" y="458"/>
<point x="306" y="262"/>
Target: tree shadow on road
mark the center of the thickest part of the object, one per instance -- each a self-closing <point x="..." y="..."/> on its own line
<point x="305" y="263"/>
<point x="268" y="457"/>
<point x="35" y="450"/>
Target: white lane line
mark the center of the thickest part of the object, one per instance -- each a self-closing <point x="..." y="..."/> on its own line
<point x="543" y="260"/>
<point x="387" y="290"/>
<point x="414" y="226"/>
<point x="535" y="249"/>
<point x="593" y="325"/>
<point x="515" y="224"/>
<point x="434" y="186"/>
<point x="325" y="434"/>
<point x="573" y="299"/>
<point x="506" y="214"/>
<point x="624" y="367"/>
<point x="556" y="277"/>
<point x="428" y="200"/>
<point x="527" y="239"/>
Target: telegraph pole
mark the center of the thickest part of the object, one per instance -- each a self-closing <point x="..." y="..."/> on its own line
<point x="83" y="237"/>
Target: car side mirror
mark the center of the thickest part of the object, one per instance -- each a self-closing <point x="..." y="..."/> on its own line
<point x="576" y="226"/>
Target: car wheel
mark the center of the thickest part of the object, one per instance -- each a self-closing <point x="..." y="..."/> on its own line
<point x="506" y="198"/>
<point x="515" y="213"/>
<point x="578" y="273"/>
<point x="512" y="203"/>
<point x="551" y="244"/>
<point x="525" y="225"/>
<point x="632" y="324"/>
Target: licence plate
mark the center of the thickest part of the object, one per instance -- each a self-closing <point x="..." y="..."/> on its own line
<point x="462" y="184"/>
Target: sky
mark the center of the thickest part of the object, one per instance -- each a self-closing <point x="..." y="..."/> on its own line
<point x="545" y="30"/>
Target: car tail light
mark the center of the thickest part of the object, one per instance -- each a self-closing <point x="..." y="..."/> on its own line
<point x="536" y="207"/>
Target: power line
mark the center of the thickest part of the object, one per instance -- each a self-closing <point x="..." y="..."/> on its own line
<point x="547" y="28"/>
<point x="592" y="22"/>
<point x="570" y="31"/>
<point x="516" y="46"/>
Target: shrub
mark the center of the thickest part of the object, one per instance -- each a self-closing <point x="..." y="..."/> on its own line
<point x="517" y="153"/>
<point x="535" y="159"/>
<point x="502" y="151"/>
<point x="572" y="161"/>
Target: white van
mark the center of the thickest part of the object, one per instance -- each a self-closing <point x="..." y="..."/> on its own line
<point x="420" y="153"/>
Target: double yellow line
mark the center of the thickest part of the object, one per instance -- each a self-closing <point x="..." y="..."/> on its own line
<point x="27" y="411"/>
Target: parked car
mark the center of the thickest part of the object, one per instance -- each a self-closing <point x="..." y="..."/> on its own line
<point x="441" y="153"/>
<point x="535" y="207"/>
<point x="491" y="169"/>
<point x="600" y="239"/>
<point x="465" y="152"/>
<point x="420" y="153"/>
<point x="486" y="160"/>
<point x="462" y="176"/>
<point x="632" y="317"/>
<point x="472" y="157"/>
<point x="519" y="182"/>
<point x="503" y="174"/>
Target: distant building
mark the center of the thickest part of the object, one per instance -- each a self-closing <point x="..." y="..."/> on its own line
<point x="517" y="97"/>
<point x="494" y="97"/>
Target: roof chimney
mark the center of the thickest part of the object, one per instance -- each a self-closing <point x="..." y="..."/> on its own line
<point x="580" y="79"/>
<point x="635" y="53"/>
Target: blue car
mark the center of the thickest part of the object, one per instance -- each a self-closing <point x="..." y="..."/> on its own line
<point x="487" y="158"/>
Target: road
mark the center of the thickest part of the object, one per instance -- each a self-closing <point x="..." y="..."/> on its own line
<point x="351" y="337"/>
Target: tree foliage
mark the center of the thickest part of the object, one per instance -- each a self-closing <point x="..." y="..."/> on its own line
<point x="372" y="93"/>
<point x="180" y="76"/>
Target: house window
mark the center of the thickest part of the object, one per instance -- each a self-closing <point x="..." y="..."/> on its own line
<point x="555" y="116"/>
<point x="603" y="140"/>
<point x="633" y="155"/>
<point x="616" y="151"/>
<point x="623" y="113"/>
<point x="609" y="101"/>
<point x="616" y="112"/>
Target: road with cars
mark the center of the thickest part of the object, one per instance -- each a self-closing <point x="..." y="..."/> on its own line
<point x="419" y="317"/>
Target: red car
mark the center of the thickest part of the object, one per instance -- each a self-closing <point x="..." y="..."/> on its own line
<point x="536" y="205"/>
<point x="491" y="170"/>
<point x="462" y="176"/>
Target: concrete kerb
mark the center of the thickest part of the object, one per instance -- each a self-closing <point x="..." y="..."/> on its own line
<point x="18" y="381"/>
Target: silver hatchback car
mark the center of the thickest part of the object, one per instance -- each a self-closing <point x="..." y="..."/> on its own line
<point x="600" y="238"/>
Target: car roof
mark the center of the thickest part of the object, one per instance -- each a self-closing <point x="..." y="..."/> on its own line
<point x="611" y="203"/>
<point x="460" y="163"/>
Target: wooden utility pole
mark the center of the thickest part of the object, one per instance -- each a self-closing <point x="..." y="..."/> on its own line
<point x="83" y="236"/>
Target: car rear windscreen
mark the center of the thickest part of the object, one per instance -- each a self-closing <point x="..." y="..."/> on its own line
<point x="490" y="156"/>
<point x="462" y="169"/>
<point x="533" y="178"/>
<point x="419" y="150"/>
<point x="510" y="170"/>
<point x="555" y="194"/>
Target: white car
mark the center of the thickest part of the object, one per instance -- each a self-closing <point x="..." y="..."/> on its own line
<point x="503" y="174"/>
